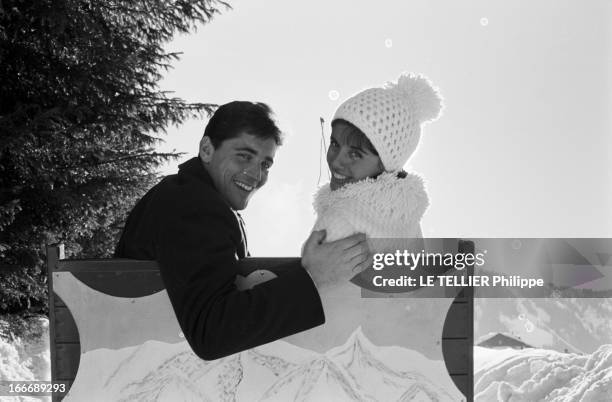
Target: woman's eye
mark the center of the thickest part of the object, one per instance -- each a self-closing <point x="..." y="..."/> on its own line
<point x="355" y="154"/>
<point x="333" y="144"/>
<point x="266" y="165"/>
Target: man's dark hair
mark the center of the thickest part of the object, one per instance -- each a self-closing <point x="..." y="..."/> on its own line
<point x="231" y="119"/>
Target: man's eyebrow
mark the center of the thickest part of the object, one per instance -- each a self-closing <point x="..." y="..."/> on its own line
<point x="253" y="152"/>
<point x="247" y="149"/>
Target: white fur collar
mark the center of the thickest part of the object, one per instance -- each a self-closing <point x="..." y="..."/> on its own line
<point x="387" y="206"/>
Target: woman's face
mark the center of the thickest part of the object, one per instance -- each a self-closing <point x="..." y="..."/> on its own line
<point x="349" y="158"/>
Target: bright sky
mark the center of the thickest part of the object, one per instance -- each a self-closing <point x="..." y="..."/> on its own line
<point x="524" y="145"/>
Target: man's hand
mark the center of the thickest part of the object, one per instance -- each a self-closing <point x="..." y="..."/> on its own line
<point x="337" y="261"/>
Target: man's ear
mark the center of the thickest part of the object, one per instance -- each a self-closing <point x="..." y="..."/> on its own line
<point x="206" y="149"/>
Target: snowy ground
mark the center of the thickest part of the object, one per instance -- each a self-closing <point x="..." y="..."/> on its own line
<point x="511" y="375"/>
<point x="25" y="359"/>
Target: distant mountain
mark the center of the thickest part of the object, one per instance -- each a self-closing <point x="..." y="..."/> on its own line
<point x="578" y="325"/>
<point x="355" y="371"/>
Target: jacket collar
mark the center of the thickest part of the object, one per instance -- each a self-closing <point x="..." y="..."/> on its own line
<point x="195" y="167"/>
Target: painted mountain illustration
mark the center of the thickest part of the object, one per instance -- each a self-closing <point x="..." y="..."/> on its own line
<point x="361" y="371"/>
<point x="279" y="371"/>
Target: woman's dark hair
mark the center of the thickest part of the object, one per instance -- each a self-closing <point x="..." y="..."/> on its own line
<point x="233" y="118"/>
<point x="356" y="137"/>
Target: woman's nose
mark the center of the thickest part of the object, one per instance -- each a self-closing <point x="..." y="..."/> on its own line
<point x="340" y="160"/>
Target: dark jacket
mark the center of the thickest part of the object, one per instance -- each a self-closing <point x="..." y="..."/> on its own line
<point x="185" y="225"/>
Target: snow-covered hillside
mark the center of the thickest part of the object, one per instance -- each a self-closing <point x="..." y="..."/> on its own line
<point x="279" y="371"/>
<point x="25" y="359"/>
<point x="528" y="375"/>
<point x="578" y="325"/>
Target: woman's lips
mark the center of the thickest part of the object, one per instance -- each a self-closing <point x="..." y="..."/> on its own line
<point x="338" y="180"/>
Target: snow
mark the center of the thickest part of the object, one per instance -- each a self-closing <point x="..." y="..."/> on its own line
<point x="566" y="325"/>
<point x="513" y="375"/>
<point x="25" y="359"/>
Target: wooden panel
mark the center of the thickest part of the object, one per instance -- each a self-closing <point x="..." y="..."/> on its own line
<point x="117" y="264"/>
<point x="462" y="382"/>
<point x="466" y="246"/>
<point x="122" y="283"/>
<point x="54" y="254"/>
<point x="67" y="360"/>
<point x="135" y="278"/>
<point x="459" y="294"/>
<point x="121" y="264"/>
<point x="457" y="323"/>
<point x="457" y="354"/>
<point x="59" y="397"/>
<point x="57" y="301"/>
<point x="114" y="322"/>
<point x="65" y="327"/>
<point x="112" y="274"/>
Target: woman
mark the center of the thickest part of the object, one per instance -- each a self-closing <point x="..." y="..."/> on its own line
<point x="373" y="135"/>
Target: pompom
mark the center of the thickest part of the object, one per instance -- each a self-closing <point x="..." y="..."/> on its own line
<point x="419" y="92"/>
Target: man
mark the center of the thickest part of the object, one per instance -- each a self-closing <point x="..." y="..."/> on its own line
<point x="188" y="223"/>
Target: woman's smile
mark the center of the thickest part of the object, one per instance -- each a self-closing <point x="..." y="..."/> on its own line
<point x="351" y="157"/>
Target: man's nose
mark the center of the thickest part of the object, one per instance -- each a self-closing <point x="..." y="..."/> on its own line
<point x="254" y="172"/>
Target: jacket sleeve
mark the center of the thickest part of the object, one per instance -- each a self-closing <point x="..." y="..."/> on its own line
<point x="198" y="262"/>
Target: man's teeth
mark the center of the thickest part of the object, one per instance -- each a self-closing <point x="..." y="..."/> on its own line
<point x="339" y="176"/>
<point x="244" y="186"/>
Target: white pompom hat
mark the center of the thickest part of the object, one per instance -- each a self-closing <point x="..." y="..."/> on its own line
<point x="391" y="116"/>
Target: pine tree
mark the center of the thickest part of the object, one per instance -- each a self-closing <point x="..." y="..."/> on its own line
<point x="80" y="115"/>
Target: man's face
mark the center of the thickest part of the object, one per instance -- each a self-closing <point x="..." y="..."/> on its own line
<point x="239" y="166"/>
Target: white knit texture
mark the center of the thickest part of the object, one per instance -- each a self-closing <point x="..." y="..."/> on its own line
<point x="385" y="207"/>
<point x="391" y="117"/>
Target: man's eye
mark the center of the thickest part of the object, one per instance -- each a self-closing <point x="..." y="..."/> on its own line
<point x="244" y="157"/>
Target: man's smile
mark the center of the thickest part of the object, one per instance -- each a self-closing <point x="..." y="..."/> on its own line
<point x="244" y="186"/>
